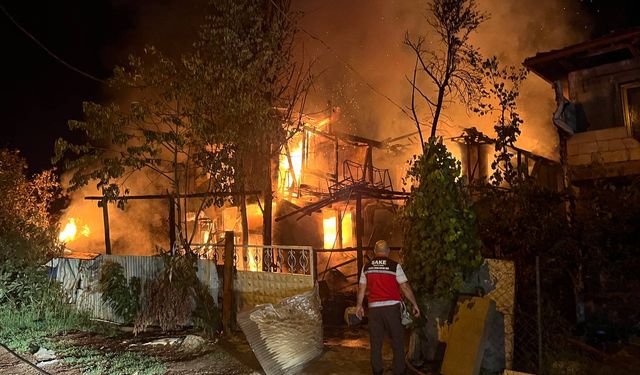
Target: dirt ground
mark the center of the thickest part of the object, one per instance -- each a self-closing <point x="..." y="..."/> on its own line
<point x="346" y="352"/>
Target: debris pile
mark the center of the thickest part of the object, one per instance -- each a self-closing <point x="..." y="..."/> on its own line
<point x="287" y="336"/>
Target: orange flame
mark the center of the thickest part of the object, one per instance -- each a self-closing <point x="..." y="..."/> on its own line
<point x="330" y="230"/>
<point x="295" y="150"/>
<point x="70" y="231"/>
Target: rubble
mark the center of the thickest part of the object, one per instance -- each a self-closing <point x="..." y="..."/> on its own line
<point x="44" y="354"/>
<point x="163" y="341"/>
<point x="47" y="363"/>
<point x="287" y="336"/>
<point x="192" y="343"/>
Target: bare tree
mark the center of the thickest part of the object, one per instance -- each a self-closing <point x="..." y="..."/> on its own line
<point x="447" y="69"/>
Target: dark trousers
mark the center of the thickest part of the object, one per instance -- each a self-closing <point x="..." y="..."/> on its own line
<point x="386" y="319"/>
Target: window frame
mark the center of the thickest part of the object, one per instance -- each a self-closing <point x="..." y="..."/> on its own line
<point x="625" y="104"/>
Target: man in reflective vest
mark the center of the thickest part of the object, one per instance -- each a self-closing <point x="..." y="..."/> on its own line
<point x="385" y="280"/>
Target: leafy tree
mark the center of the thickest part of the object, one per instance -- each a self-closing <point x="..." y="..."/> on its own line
<point x="159" y="133"/>
<point x="27" y="231"/>
<point x="440" y="241"/>
<point x="202" y="122"/>
<point x="249" y="46"/>
<point x="500" y="96"/>
<point x="450" y="69"/>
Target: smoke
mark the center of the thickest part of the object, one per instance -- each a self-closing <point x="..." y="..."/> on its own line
<point x="363" y="72"/>
<point x="368" y="35"/>
<point x="135" y="230"/>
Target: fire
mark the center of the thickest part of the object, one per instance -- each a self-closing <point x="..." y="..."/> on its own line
<point x="70" y="231"/>
<point x="295" y="150"/>
<point x="330" y="223"/>
<point x="347" y="228"/>
<point x="329" y="226"/>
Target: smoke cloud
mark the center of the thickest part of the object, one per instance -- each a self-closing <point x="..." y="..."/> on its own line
<point x="368" y="35"/>
<point x="135" y="230"/>
<point x="363" y="73"/>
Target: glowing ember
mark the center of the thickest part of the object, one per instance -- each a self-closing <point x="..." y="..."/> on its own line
<point x="70" y="231"/>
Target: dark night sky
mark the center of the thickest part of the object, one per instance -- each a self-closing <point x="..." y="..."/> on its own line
<point x="38" y="95"/>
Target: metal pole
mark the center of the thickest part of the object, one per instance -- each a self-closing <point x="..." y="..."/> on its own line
<point x="314" y="265"/>
<point x="359" y="234"/>
<point x="539" y="315"/>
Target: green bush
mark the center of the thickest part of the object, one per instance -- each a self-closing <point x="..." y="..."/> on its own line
<point x="177" y="294"/>
<point x="440" y="241"/>
<point x="122" y="296"/>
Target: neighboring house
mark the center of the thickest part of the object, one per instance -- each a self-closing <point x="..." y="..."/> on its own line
<point x="597" y="86"/>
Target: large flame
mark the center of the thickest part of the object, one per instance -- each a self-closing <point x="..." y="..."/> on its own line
<point x="70" y="231"/>
<point x="347" y="230"/>
<point x="329" y="226"/>
<point x="285" y="170"/>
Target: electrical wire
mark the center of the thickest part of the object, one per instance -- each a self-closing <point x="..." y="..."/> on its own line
<point x="48" y="51"/>
<point x="347" y="64"/>
<point x="24" y="360"/>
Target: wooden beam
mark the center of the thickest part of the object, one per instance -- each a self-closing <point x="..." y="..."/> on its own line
<point x="337" y="266"/>
<point x="227" y="284"/>
<point x="105" y="218"/>
<point x="165" y="196"/>
<point x="367" y="168"/>
<point x="172" y="222"/>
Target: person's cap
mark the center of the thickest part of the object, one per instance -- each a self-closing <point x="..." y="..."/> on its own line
<point x="381" y="247"/>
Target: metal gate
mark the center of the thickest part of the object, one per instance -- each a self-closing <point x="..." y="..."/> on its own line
<point x="266" y="274"/>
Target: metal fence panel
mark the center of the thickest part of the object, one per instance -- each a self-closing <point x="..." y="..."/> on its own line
<point x="79" y="279"/>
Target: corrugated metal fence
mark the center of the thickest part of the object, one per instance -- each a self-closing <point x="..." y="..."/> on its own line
<point x="79" y="279"/>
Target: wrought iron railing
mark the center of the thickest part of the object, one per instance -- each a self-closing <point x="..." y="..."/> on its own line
<point x="259" y="258"/>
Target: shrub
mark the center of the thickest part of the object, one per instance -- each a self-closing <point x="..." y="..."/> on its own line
<point x="121" y="296"/>
<point x="440" y="242"/>
<point x="177" y="294"/>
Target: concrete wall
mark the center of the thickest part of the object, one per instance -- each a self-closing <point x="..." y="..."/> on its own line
<point x="603" y="153"/>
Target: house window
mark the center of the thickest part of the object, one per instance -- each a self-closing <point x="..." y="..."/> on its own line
<point x="631" y="103"/>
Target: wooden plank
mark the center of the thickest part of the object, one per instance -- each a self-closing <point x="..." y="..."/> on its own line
<point x="468" y="336"/>
<point x="172" y="222"/>
<point x="227" y="284"/>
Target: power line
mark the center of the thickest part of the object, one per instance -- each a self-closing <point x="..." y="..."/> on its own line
<point x="48" y="51"/>
<point x="347" y="64"/>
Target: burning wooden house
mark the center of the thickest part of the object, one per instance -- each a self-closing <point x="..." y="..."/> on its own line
<point x="328" y="194"/>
